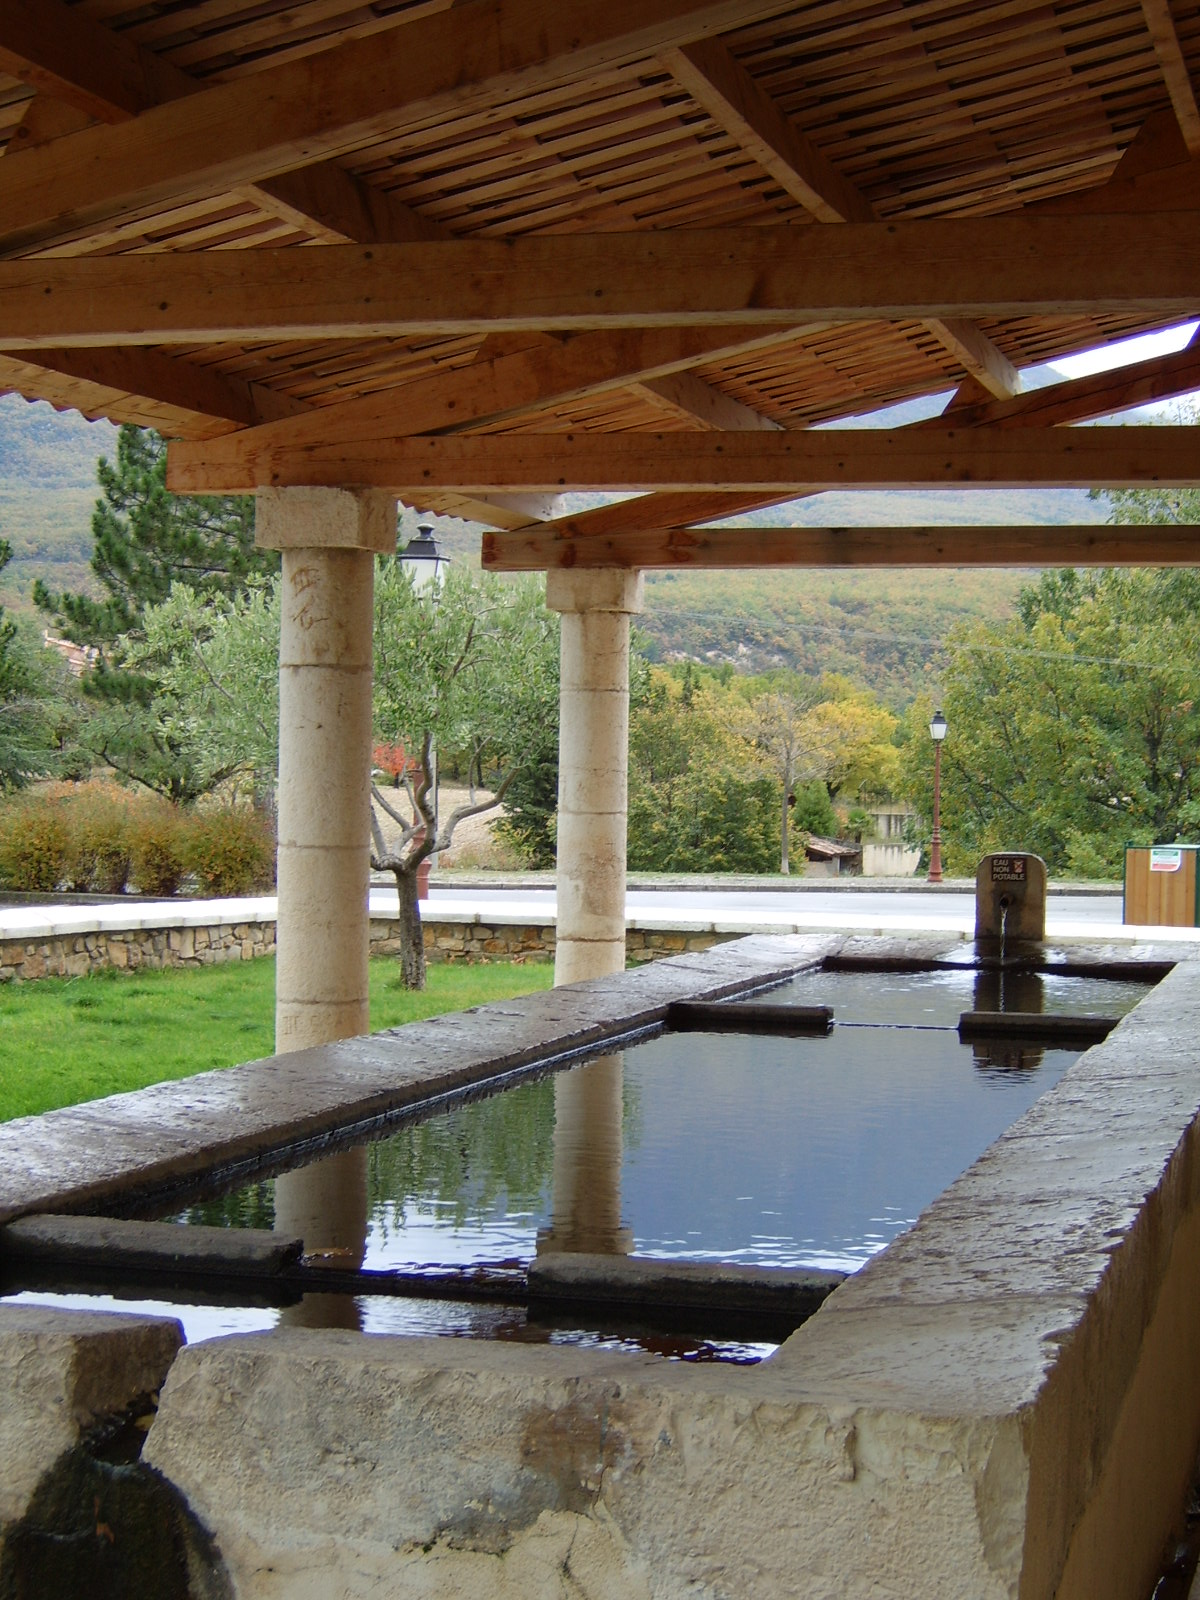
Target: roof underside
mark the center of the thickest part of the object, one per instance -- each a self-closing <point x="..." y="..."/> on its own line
<point x="375" y="156"/>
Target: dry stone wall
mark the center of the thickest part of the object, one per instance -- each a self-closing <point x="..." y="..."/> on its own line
<point x="71" y="955"/>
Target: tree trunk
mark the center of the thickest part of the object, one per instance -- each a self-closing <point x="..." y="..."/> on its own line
<point x="412" y="935"/>
<point x="783" y="834"/>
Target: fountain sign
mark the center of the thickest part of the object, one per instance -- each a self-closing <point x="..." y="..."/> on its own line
<point x="1009" y="869"/>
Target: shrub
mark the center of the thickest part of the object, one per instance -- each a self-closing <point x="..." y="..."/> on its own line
<point x="98" y="821"/>
<point x="160" y="847"/>
<point x="35" y="844"/>
<point x="230" y="851"/>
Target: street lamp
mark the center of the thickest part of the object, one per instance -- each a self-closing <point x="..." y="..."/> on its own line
<point x="425" y="564"/>
<point x="423" y="560"/>
<point x="937" y="732"/>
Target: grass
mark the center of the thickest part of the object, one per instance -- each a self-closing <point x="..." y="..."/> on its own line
<point x="63" y="1040"/>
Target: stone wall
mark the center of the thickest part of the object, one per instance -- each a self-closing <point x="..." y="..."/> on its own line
<point x="71" y="954"/>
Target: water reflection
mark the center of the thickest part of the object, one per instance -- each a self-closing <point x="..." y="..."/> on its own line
<point x="705" y="1147"/>
<point x="588" y="1148"/>
<point x="326" y="1205"/>
<point x="1000" y="988"/>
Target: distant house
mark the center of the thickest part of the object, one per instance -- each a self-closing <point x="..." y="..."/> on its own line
<point x="829" y="858"/>
<point x="79" y="657"/>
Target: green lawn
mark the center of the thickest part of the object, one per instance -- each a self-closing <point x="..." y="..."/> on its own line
<point x="63" y="1040"/>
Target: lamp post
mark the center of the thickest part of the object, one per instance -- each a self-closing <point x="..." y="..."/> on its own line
<point x="423" y="560"/>
<point x="937" y="732"/>
<point x="425" y="564"/>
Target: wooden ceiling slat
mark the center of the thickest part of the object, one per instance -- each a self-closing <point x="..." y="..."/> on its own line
<point x="929" y="109"/>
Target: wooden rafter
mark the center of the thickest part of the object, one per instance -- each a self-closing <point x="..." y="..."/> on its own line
<point x="1078" y="400"/>
<point x="324" y="105"/>
<point x="754" y="462"/>
<point x="1082" y="545"/>
<point x="146" y="386"/>
<point x="494" y="388"/>
<point x="1048" y="266"/>
<point x="684" y="395"/>
<point x="1174" y="67"/>
<point x="734" y="99"/>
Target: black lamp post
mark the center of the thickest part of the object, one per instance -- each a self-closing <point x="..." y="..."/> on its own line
<point x="937" y="732"/>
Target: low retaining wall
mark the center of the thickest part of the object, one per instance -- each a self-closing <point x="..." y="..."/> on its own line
<point x="69" y="953"/>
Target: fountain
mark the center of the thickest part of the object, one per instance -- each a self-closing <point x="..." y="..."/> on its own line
<point x="1010" y="908"/>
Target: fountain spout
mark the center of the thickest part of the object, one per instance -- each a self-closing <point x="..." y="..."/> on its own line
<point x="1010" y="907"/>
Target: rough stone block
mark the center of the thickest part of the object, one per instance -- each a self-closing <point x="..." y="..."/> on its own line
<point x="62" y="1372"/>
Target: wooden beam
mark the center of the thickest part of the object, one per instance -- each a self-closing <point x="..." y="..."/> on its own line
<point x="97" y="73"/>
<point x="494" y="390"/>
<point x="1077" y="400"/>
<point x="700" y="405"/>
<point x="1173" y="65"/>
<point x="323" y="105"/>
<point x="333" y="205"/>
<point x="977" y="354"/>
<point x="145" y="386"/>
<point x="1006" y="266"/>
<point x="1082" y="399"/>
<point x="755" y="462"/>
<point x="736" y="102"/>
<point x="1083" y="545"/>
<point x="63" y="53"/>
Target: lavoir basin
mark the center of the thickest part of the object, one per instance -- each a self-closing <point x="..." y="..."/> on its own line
<point x="981" y="1385"/>
<point x="760" y="1145"/>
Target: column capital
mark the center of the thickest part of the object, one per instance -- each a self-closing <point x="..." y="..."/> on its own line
<point x="596" y="589"/>
<point x="333" y="519"/>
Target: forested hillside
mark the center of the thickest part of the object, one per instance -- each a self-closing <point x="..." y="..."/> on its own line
<point x="880" y="628"/>
<point x="47" y="490"/>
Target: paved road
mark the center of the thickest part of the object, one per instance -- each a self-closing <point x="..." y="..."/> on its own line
<point x="1096" y="916"/>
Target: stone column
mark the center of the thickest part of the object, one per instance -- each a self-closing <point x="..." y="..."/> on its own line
<point x="328" y="538"/>
<point x="593" y="744"/>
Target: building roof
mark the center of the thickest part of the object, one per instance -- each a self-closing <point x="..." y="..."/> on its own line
<point x="479" y="253"/>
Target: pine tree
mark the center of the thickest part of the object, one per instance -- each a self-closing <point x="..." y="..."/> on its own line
<point x="145" y="539"/>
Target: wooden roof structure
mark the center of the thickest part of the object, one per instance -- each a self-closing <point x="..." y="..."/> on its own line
<point x="480" y="252"/>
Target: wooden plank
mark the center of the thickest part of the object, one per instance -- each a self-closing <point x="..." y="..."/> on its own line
<point x="1174" y="67"/>
<point x="330" y="102"/>
<point x="1084" y="458"/>
<point x="1009" y="266"/>
<point x="539" y="549"/>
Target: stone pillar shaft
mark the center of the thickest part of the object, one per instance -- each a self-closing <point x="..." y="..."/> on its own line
<point x="328" y="538"/>
<point x="593" y="767"/>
